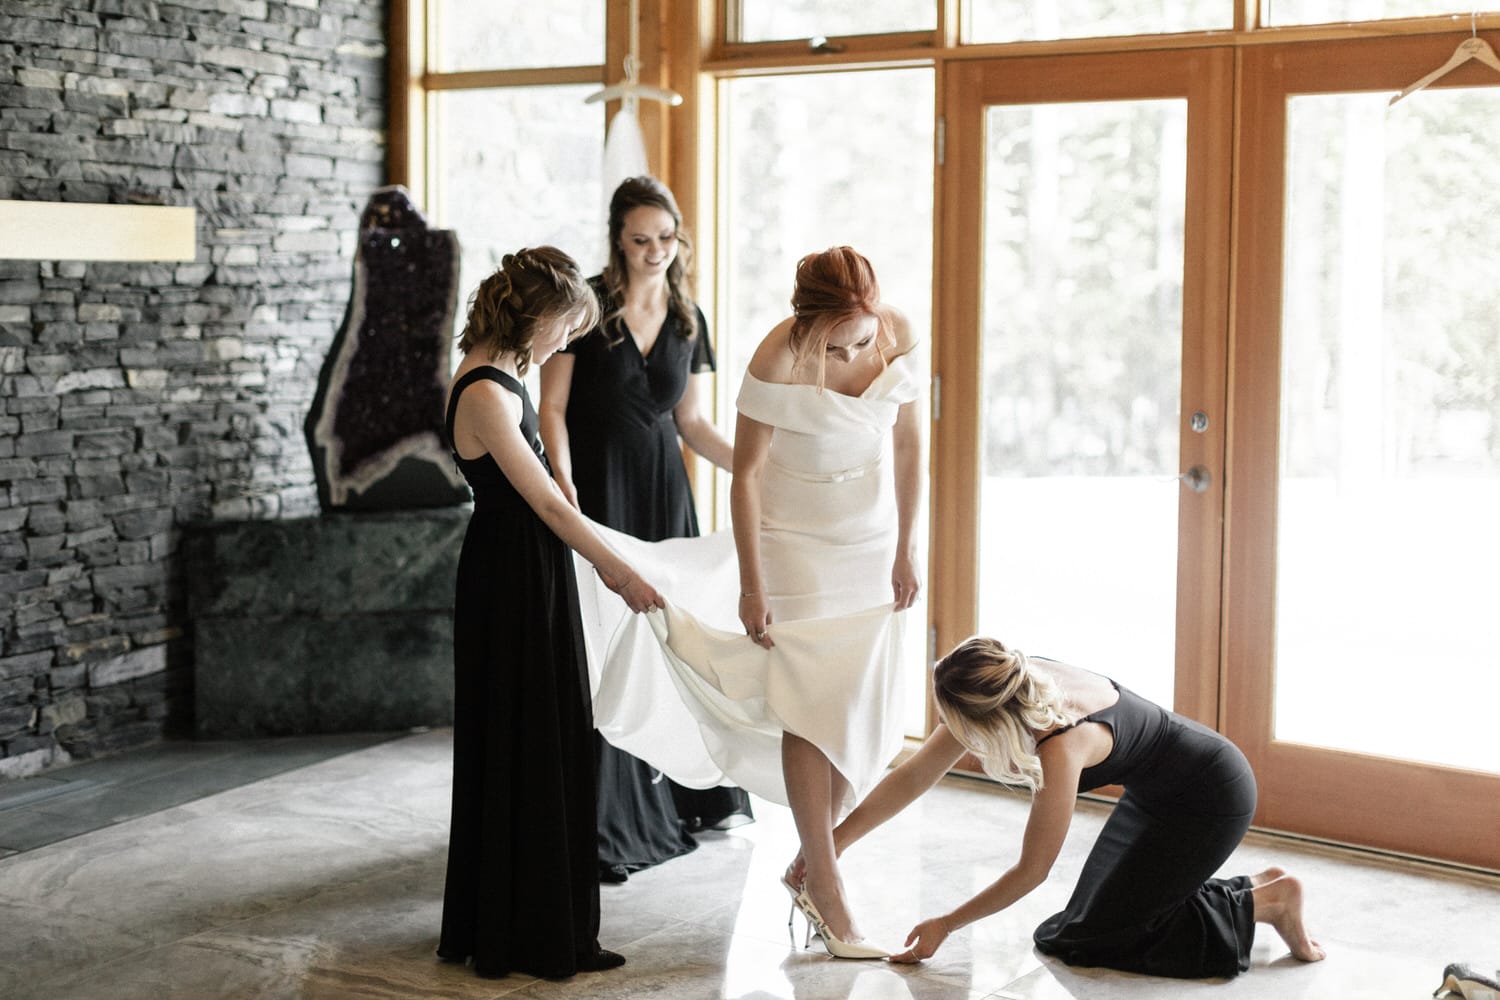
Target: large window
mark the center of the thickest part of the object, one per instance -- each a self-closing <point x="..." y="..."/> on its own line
<point x="1017" y="20"/>
<point x="482" y="36"/>
<point x="514" y="167"/>
<point x="1390" y="398"/>
<point x="501" y="147"/>
<point x="766" y="20"/>
<point x="1083" y="263"/>
<point x="1274" y="12"/>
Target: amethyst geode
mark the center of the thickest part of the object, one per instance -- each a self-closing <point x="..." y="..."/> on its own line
<point x="376" y="425"/>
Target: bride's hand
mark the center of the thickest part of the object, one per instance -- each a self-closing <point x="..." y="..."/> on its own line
<point x="905" y="582"/>
<point x="755" y="615"/>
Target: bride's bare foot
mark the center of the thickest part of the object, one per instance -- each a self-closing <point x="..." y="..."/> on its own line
<point x="796" y="872"/>
<point x="1269" y="875"/>
<point x="1278" y="902"/>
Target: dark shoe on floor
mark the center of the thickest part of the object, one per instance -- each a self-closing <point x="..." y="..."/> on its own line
<point x="600" y="960"/>
<point x="613" y="874"/>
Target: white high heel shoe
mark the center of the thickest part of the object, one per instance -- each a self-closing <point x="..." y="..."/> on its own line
<point x="836" y="946"/>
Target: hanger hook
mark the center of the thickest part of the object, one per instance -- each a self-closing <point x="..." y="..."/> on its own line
<point x="630" y="68"/>
<point x="1474" y="23"/>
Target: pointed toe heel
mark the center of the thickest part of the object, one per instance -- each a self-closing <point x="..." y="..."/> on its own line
<point x="837" y="947"/>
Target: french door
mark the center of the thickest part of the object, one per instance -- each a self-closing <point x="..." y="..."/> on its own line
<point x="1218" y="409"/>
<point x="1079" y="433"/>
<point x="1362" y="650"/>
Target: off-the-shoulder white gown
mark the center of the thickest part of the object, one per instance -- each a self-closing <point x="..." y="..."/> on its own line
<point x="688" y="691"/>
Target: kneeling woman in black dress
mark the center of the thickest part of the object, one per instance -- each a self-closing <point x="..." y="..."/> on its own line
<point x="1146" y="900"/>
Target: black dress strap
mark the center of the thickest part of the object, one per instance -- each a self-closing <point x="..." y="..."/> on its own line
<point x="1086" y="718"/>
<point x="483" y="373"/>
<point x="1057" y="732"/>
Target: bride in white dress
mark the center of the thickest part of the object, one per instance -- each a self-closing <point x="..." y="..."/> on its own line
<point x="827" y="474"/>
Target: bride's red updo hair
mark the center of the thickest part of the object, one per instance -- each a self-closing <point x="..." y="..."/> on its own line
<point x="833" y="287"/>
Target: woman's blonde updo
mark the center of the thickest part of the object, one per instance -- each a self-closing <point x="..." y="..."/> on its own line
<point x="534" y="286"/>
<point x="833" y="287"/>
<point x="994" y="703"/>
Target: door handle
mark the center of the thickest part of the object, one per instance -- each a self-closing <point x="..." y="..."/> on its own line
<point x="1197" y="479"/>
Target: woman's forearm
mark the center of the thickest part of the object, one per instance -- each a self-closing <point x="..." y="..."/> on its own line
<point x="1015" y="884"/>
<point x="554" y="430"/>
<point x="907" y="445"/>
<point x="901" y="787"/>
<point x="704" y="438"/>
<point x="744" y="517"/>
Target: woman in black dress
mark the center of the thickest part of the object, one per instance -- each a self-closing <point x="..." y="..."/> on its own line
<point x="522" y="890"/>
<point x="1146" y="900"/>
<point x="614" y="404"/>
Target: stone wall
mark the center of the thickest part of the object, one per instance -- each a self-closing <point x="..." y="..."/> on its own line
<point x="136" y="398"/>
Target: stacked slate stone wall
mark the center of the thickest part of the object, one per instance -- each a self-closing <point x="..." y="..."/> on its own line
<point x="136" y="398"/>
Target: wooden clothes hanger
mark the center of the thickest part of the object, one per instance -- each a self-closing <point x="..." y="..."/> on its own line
<point x="1470" y="49"/>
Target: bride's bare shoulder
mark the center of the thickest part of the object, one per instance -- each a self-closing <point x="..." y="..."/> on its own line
<point x="772" y="360"/>
<point x="899" y="329"/>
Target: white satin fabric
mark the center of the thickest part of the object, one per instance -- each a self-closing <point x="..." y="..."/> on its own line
<point x="687" y="691"/>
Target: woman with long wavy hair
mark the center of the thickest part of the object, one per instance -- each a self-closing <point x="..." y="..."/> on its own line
<point x="616" y="406"/>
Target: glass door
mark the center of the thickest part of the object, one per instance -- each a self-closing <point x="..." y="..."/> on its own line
<point x="1080" y="434"/>
<point x="1362" y="644"/>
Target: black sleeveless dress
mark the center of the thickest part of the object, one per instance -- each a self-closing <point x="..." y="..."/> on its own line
<point x="522" y="890"/>
<point x="629" y="473"/>
<point x="1146" y="900"/>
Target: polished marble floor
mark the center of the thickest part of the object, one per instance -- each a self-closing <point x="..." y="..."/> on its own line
<point x="325" y="880"/>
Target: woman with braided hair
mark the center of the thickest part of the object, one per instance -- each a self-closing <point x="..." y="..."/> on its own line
<point x="522" y="891"/>
<point x="1146" y="900"/>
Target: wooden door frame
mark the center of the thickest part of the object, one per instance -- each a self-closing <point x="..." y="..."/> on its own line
<point x="1203" y="76"/>
<point x="1329" y="794"/>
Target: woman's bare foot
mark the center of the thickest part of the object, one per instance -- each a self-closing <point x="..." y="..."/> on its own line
<point x="1269" y="875"/>
<point x="796" y="872"/>
<point x="1278" y="902"/>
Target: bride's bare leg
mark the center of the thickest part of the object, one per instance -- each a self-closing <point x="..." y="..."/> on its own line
<point x="1278" y="902"/>
<point x="796" y="872"/>
<point x="839" y="787"/>
<point x="810" y="783"/>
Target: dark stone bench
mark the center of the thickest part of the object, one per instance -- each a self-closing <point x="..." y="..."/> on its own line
<point x="336" y="623"/>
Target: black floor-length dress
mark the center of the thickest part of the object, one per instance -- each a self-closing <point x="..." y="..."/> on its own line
<point x="1146" y="900"/>
<point x="522" y="891"/>
<point x="629" y="473"/>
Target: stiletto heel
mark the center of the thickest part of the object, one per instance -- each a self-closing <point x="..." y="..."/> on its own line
<point x="1467" y="983"/>
<point x="836" y="946"/>
<point x="792" y="891"/>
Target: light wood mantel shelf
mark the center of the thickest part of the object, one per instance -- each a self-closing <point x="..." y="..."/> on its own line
<point x="55" y="230"/>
